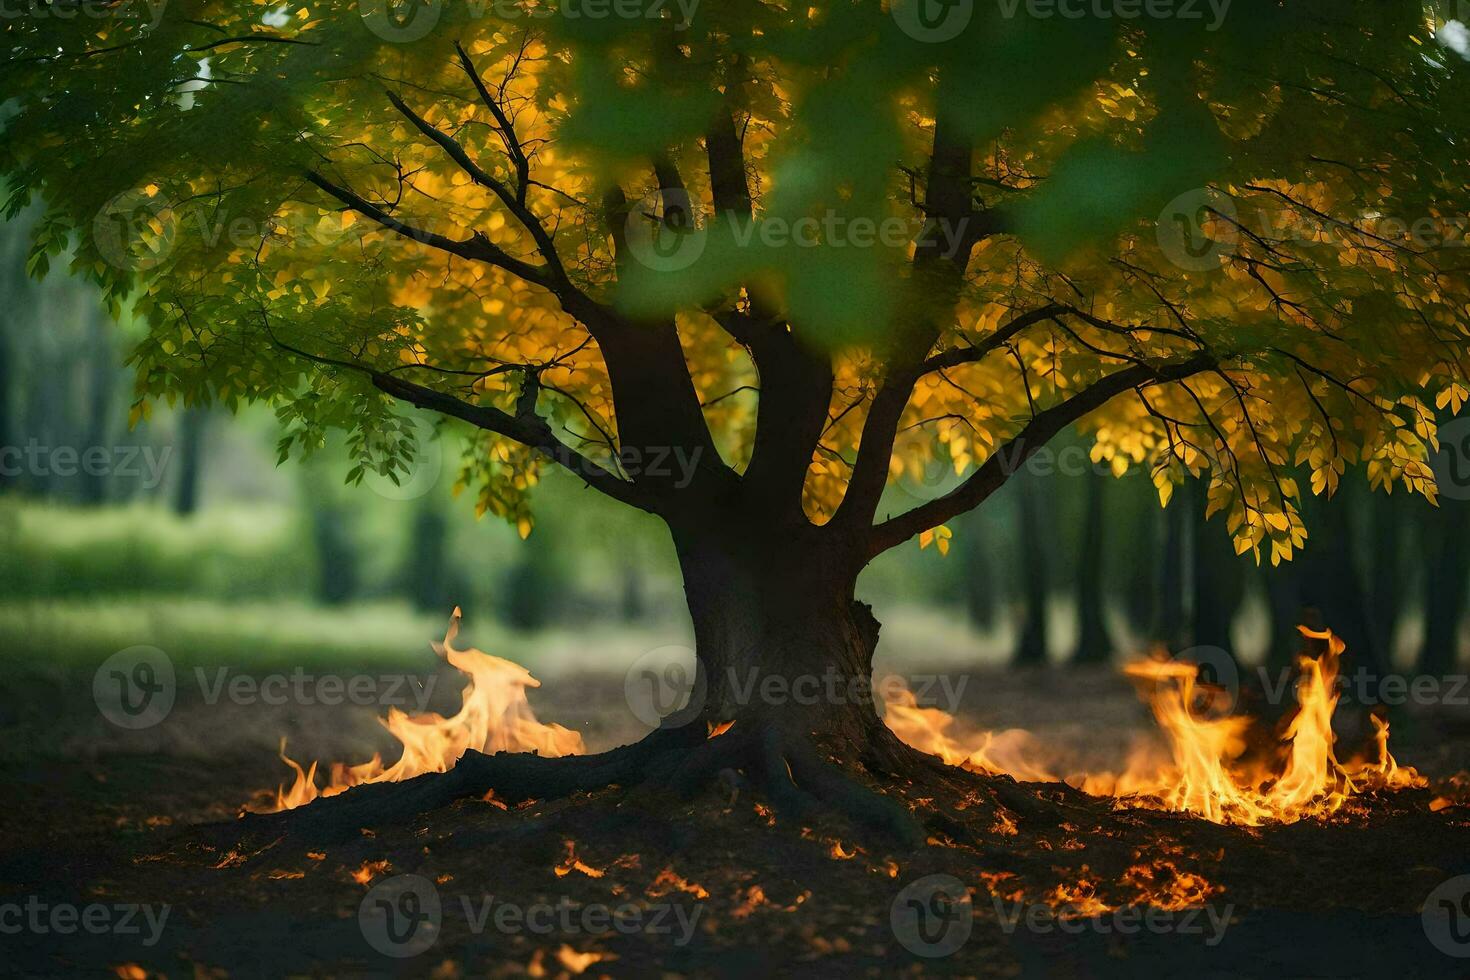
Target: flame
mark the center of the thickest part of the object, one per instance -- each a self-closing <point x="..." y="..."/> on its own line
<point x="494" y="716"/>
<point x="668" y="881"/>
<point x="1010" y="752"/>
<point x="1203" y="770"/>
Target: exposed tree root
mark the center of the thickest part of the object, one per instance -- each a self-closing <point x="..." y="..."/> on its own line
<point x="784" y="766"/>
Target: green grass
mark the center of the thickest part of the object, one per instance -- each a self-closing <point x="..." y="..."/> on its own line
<point x="58" y="551"/>
<point x="71" y="632"/>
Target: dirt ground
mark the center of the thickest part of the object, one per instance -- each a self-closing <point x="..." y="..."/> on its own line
<point x="97" y="817"/>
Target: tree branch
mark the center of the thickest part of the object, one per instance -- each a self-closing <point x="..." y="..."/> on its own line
<point x="524" y="427"/>
<point x="1004" y="462"/>
<point x="475" y="248"/>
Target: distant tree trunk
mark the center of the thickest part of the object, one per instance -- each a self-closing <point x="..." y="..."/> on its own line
<point x="530" y="584"/>
<point x="1219" y="581"/>
<point x="1094" y="644"/>
<point x="1447" y="578"/>
<point x="426" y="571"/>
<point x="1331" y="584"/>
<point x="336" y="553"/>
<point x="1032" y="648"/>
<point x="1385" y="570"/>
<point x="1284" y="600"/>
<point x="101" y="393"/>
<point x="188" y="460"/>
<point x="633" y="601"/>
<point x="977" y="578"/>
<point x="1139" y="544"/>
<point x="8" y="477"/>
<point x="1169" y="594"/>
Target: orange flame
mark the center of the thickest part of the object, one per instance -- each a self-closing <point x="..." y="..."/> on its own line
<point x="494" y="716"/>
<point x="1203" y="771"/>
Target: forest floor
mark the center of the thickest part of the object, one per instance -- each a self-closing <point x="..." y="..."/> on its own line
<point x="122" y="853"/>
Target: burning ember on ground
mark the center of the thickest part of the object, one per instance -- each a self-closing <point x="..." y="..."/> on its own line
<point x="1200" y="763"/>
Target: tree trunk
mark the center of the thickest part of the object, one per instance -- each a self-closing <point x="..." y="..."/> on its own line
<point x="1094" y="644"/>
<point x="1446" y="579"/>
<point x="189" y="451"/>
<point x="1219" y="581"/>
<point x="102" y="389"/>
<point x="1032" y="648"/>
<point x="779" y="637"/>
<point x="1169" y="598"/>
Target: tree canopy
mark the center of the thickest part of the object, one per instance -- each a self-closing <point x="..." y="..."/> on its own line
<point x="812" y="247"/>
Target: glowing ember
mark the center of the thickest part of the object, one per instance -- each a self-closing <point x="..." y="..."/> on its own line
<point x="572" y="863"/>
<point x="1202" y="771"/>
<point x="669" y="882"/>
<point x="494" y="716"/>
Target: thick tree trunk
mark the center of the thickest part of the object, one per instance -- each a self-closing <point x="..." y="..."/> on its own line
<point x="780" y="639"/>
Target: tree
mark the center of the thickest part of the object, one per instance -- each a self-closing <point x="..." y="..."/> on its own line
<point x="660" y="252"/>
<point x="1094" y="642"/>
